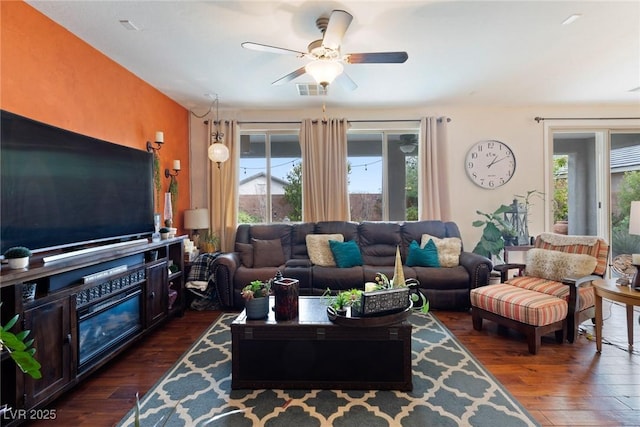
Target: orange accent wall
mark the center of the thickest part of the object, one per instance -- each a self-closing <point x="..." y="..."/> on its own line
<point x="50" y="75"/>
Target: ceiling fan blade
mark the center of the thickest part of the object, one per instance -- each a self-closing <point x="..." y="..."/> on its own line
<point x="376" y="58"/>
<point x="346" y="82"/>
<point x="339" y="21"/>
<point x="270" y="49"/>
<point x="282" y="80"/>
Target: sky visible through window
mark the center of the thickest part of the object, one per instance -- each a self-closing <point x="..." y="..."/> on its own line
<point x="365" y="176"/>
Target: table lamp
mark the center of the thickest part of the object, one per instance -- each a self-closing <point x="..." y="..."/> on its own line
<point x="634" y="228"/>
<point x="195" y="220"/>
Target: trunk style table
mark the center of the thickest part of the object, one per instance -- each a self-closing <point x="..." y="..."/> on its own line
<point x="312" y="352"/>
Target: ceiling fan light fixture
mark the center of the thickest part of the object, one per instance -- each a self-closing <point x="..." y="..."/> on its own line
<point x="324" y="72"/>
<point x="407" y="148"/>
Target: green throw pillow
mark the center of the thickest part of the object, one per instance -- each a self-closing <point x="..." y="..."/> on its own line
<point x="423" y="257"/>
<point x="346" y="254"/>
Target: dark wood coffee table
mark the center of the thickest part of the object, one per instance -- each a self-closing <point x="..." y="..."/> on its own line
<point x="311" y="352"/>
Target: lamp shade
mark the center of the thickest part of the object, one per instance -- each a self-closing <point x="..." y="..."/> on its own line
<point x="196" y="219"/>
<point x="634" y="218"/>
<point x="324" y="71"/>
<point x="218" y="152"/>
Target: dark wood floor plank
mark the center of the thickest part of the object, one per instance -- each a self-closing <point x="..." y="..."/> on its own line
<point x="563" y="385"/>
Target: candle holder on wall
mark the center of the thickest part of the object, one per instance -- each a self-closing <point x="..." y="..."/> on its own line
<point x="159" y="141"/>
<point x="176" y="169"/>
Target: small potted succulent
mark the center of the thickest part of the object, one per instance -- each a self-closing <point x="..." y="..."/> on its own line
<point x="164" y="233"/>
<point x="342" y="300"/>
<point x="256" y="299"/>
<point x="18" y="257"/>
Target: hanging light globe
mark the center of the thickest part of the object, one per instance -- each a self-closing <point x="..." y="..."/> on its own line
<point x="218" y="152"/>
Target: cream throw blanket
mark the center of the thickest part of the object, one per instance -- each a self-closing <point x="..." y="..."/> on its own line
<point x="564" y="240"/>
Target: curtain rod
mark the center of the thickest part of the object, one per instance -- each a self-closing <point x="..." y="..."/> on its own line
<point x="352" y="121"/>
<point x="541" y="119"/>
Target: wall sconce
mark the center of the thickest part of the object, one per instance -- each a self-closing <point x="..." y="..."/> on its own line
<point x="159" y="141"/>
<point x="176" y="169"/>
<point x="217" y="152"/>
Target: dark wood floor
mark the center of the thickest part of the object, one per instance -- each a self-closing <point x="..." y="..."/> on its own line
<point x="563" y="385"/>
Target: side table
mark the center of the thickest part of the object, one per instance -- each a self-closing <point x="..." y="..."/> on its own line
<point x="521" y="254"/>
<point x="609" y="289"/>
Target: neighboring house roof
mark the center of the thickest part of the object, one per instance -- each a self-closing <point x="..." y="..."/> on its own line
<point x="625" y="159"/>
<point x="256" y="185"/>
<point x="258" y="175"/>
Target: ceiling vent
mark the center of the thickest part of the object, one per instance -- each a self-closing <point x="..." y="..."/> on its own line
<point x="311" y="89"/>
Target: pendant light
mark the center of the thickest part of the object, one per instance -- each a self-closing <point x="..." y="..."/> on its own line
<point x="217" y="152"/>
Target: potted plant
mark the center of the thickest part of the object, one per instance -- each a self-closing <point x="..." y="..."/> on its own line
<point x="18" y="257"/>
<point x="164" y="233"/>
<point x="383" y="282"/>
<point x="523" y="236"/>
<point x="21" y="351"/>
<point x="210" y="242"/>
<point x="342" y="300"/>
<point x="492" y="242"/>
<point x="510" y="236"/>
<point x="256" y="299"/>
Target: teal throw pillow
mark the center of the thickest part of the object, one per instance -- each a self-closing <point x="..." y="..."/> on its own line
<point x="423" y="257"/>
<point x="346" y="254"/>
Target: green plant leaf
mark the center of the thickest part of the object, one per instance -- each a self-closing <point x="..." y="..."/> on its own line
<point x="11" y="322"/>
<point x="12" y="342"/>
<point x="27" y="363"/>
<point x="22" y="335"/>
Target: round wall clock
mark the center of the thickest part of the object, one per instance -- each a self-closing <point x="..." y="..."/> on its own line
<point x="490" y="164"/>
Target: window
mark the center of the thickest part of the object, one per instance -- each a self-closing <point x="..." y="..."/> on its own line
<point x="269" y="173"/>
<point x="383" y="176"/>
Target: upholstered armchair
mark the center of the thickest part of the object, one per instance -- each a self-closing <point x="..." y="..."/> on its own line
<point x="552" y="292"/>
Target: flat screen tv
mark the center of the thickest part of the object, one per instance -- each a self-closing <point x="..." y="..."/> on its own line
<point x="60" y="189"/>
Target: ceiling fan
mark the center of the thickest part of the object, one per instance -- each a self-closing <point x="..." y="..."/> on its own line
<point x="326" y="58"/>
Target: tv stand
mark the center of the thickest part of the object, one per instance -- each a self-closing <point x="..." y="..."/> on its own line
<point x="74" y="294"/>
<point x="78" y="252"/>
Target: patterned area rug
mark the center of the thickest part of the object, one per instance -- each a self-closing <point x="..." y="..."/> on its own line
<point x="450" y="388"/>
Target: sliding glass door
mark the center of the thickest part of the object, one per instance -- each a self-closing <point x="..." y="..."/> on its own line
<point x="625" y="188"/>
<point x="596" y="175"/>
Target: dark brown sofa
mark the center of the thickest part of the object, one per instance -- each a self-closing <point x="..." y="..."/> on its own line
<point x="446" y="288"/>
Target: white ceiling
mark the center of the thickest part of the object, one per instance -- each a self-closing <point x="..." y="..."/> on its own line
<point x="460" y="52"/>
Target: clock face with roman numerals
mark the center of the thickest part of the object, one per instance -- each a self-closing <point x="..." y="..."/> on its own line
<point x="490" y="164"/>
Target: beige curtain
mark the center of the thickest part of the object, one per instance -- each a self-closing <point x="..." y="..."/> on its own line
<point x="433" y="181"/>
<point x="223" y="185"/>
<point x="325" y="195"/>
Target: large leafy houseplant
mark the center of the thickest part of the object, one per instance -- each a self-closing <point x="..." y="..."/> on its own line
<point x="21" y="351"/>
<point x="492" y="242"/>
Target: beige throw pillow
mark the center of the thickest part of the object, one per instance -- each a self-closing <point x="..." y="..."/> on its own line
<point x="319" y="250"/>
<point x="556" y="265"/>
<point x="449" y="249"/>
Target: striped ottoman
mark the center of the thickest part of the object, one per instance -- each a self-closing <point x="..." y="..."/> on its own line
<point x="533" y="313"/>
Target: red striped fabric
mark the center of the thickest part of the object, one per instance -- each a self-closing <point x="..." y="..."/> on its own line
<point x="557" y="289"/>
<point x="522" y="305"/>
<point x="599" y="251"/>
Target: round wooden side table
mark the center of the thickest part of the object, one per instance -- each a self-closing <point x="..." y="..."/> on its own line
<point x="609" y="289"/>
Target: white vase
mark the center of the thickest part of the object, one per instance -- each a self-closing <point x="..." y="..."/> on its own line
<point x="18" y="263"/>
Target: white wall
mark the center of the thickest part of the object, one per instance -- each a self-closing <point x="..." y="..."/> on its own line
<point x="514" y="126"/>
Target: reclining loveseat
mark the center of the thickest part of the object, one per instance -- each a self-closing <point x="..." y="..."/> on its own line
<point x="301" y="251"/>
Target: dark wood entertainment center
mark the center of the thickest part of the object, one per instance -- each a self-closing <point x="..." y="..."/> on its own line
<point x="88" y="308"/>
